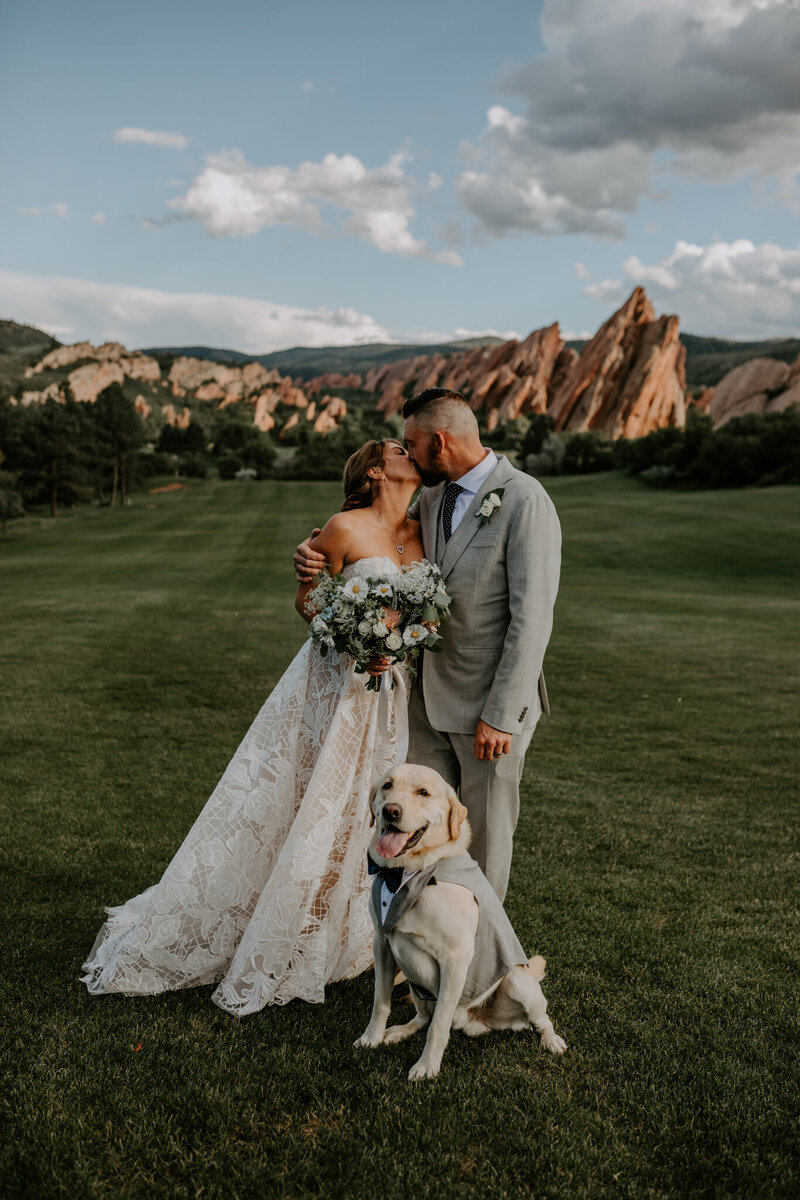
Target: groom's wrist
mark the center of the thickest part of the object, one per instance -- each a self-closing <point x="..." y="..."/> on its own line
<point x="502" y="721"/>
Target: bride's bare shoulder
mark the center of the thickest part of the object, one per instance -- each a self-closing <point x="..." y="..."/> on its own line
<point x="336" y="536"/>
<point x="341" y="523"/>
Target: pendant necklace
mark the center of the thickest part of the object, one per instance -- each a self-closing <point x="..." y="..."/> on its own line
<point x="400" y="549"/>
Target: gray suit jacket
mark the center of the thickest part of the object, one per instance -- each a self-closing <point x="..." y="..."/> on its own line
<point x="503" y="579"/>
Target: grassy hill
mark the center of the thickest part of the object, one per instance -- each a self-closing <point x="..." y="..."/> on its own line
<point x="655" y="867"/>
<point x="708" y="359"/>
<point x="20" y="347"/>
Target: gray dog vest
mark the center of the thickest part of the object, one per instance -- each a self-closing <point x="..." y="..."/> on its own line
<point x="497" y="948"/>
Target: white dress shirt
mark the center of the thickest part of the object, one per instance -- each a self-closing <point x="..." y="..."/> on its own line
<point x="472" y="483"/>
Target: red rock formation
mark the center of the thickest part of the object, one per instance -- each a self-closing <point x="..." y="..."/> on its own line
<point x="628" y="381"/>
<point x="53" y="392"/>
<point x="180" y="420"/>
<point x="332" y="380"/>
<point x="331" y="414"/>
<point x="702" y="402"/>
<point x="760" y="385"/>
<point x="139" y="366"/>
<point x="88" y="381"/>
<point x="62" y="356"/>
<point x="208" y="391"/>
<point x="266" y="404"/>
<point x="219" y="380"/>
<point x="135" y="365"/>
<point x="511" y="379"/>
<point x="291" y="395"/>
<point x="630" y="378"/>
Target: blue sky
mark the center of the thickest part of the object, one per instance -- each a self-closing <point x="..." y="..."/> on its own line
<point x="258" y="175"/>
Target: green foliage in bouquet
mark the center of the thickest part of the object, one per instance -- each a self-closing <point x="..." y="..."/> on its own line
<point x="380" y="616"/>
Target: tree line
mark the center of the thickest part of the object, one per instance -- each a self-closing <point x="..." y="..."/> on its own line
<point x="60" y="453"/>
<point x="754" y="450"/>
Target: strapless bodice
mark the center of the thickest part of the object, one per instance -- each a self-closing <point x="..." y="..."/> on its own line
<point x="377" y="565"/>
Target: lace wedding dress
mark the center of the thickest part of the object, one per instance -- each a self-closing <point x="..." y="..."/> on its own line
<point x="268" y="895"/>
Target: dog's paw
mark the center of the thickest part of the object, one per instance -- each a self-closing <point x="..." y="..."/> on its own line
<point x="422" y="1070"/>
<point x="553" y="1043"/>
<point x="368" y="1040"/>
<point x="398" y="1033"/>
<point x="395" y="1034"/>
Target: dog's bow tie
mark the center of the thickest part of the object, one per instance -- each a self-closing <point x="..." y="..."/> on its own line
<point x="391" y="876"/>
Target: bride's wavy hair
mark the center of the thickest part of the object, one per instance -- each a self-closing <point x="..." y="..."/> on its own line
<point x="360" y="489"/>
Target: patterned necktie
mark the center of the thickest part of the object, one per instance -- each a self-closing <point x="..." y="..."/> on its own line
<point x="451" y="493"/>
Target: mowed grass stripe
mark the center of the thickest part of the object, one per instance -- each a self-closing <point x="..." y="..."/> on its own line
<point x="655" y="866"/>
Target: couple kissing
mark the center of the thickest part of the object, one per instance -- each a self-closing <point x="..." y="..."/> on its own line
<point x="267" y="897"/>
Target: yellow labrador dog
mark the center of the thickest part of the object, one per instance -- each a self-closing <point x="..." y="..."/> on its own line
<point x="437" y="918"/>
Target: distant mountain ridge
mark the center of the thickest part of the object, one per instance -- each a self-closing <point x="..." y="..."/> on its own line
<point x="306" y="362"/>
<point x="708" y="359"/>
<point x="637" y="373"/>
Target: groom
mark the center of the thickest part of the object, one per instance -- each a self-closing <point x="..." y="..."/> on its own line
<point x="475" y="706"/>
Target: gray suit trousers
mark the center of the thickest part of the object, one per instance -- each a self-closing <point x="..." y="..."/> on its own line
<point x="489" y="789"/>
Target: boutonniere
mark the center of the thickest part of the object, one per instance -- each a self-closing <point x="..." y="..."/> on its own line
<point x="489" y="505"/>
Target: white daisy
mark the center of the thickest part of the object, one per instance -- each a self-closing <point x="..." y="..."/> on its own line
<point x="357" y="589"/>
<point x="415" y="634"/>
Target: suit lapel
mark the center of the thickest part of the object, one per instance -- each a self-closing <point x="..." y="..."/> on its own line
<point x="469" y="525"/>
<point x="429" y="519"/>
<point x="406" y="897"/>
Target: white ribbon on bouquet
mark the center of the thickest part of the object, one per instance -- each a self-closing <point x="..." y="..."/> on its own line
<point x="400" y="711"/>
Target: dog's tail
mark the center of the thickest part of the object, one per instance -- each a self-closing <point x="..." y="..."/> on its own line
<point x="536" y="966"/>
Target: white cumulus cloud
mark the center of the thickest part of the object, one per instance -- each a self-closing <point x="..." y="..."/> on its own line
<point x="604" y="289"/>
<point x="732" y="289"/>
<point x="76" y="309"/>
<point x="622" y="93"/>
<point x="231" y="197"/>
<point x="459" y="334"/>
<point x="151" y="137"/>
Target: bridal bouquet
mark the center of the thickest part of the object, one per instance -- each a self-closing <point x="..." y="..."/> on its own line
<point x="391" y="616"/>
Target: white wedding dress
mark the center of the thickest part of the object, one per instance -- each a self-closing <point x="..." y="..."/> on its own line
<point x="267" y="897"/>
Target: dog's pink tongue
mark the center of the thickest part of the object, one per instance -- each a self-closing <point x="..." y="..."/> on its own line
<point x="389" y="845"/>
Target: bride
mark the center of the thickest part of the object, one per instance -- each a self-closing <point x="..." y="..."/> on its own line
<point x="267" y="897"/>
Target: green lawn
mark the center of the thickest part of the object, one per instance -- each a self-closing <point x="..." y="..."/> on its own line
<point x="656" y="868"/>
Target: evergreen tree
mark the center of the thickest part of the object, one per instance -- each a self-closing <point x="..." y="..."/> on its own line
<point x="50" y="455"/>
<point x="236" y="442"/>
<point x="121" y="437"/>
<point x="10" y="499"/>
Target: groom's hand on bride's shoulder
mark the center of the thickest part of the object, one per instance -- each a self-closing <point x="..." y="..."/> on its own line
<point x="491" y="742"/>
<point x="307" y="562"/>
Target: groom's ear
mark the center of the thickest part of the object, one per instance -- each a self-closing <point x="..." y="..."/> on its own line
<point x="457" y="814"/>
<point x="372" y="807"/>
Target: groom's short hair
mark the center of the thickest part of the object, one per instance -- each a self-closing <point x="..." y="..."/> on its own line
<point x="441" y="408"/>
<point x="412" y="406"/>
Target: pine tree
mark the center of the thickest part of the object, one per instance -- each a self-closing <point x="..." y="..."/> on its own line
<point x="121" y="436"/>
<point x="10" y="499"/>
<point x="50" y="453"/>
